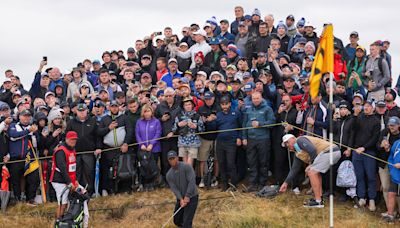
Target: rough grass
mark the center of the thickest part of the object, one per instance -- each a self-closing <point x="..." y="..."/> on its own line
<point x="242" y="210"/>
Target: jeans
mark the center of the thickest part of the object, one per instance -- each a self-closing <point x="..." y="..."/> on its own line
<point x="365" y="169"/>
<point x="184" y="218"/>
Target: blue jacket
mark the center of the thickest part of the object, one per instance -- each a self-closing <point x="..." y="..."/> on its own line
<point x="19" y="138"/>
<point x="394" y="158"/>
<point x="229" y="36"/>
<point x="167" y="78"/>
<point x="53" y="84"/>
<point x="230" y="120"/>
<point x="264" y="115"/>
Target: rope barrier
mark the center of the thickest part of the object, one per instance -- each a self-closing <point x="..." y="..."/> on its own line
<point x="157" y="139"/>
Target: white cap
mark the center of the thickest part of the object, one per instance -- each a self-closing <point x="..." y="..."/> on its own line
<point x="309" y="24"/>
<point x="7" y="80"/>
<point x="207" y="25"/>
<point x="286" y="138"/>
<point x="172" y="60"/>
<point x="183" y="44"/>
<point x="202" y="73"/>
<point x="200" y="32"/>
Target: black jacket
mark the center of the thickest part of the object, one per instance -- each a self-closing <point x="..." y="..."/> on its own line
<point x="205" y="111"/>
<point x="366" y="132"/>
<point x="343" y="130"/>
<point x="213" y="62"/>
<point x="161" y="109"/>
<point x="132" y="118"/>
<point x="381" y="153"/>
<point x="122" y="121"/>
<point x="87" y="134"/>
<point x="262" y="43"/>
<point x="289" y="117"/>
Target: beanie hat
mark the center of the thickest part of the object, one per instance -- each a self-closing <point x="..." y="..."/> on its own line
<point x="393" y="92"/>
<point x="199" y="54"/>
<point x="301" y="22"/>
<point x="232" y="47"/>
<point x="257" y="12"/>
<point x="281" y="24"/>
<point x="213" y="21"/>
<point x="54" y="114"/>
<point x="310" y="43"/>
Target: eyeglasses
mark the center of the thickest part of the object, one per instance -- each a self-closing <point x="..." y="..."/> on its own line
<point x="168" y="95"/>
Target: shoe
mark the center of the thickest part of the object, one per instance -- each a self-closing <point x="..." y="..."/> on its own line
<point x="31" y="203"/>
<point x="201" y="185"/>
<point x="296" y="191"/>
<point x="362" y="202"/>
<point x="232" y="188"/>
<point x="251" y="188"/>
<point x="389" y="218"/>
<point x="371" y="205"/>
<point x="104" y="193"/>
<point x="343" y="198"/>
<point x="140" y="188"/>
<point x="214" y="182"/>
<point x="312" y="203"/>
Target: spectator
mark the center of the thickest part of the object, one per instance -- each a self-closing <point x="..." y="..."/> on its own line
<point x="239" y="17"/>
<point x="173" y="72"/>
<point x="201" y="45"/>
<point x="355" y="66"/>
<point x="213" y="58"/>
<point x="351" y="48"/>
<point x="225" y="34"/>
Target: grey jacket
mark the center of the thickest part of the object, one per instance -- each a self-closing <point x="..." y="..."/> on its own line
<point x="380" y="78"/>
<point x="182" y="181"/>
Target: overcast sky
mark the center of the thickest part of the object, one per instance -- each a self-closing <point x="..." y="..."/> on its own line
<point x="69" y="31"/>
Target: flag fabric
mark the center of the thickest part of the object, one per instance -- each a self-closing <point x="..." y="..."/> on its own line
<point x="323" y="60"/>
<point x="31" y="163"/>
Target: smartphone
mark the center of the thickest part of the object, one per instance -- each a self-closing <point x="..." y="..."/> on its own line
<point x="45" y="58"/>
<point x="158" y="33"/>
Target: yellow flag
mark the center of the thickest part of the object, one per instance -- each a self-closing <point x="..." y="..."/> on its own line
<point x="323" y="61"/>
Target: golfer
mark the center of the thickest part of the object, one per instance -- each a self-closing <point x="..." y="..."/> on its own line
<point x="315" y="152"/>
<point x="182" y="181"/>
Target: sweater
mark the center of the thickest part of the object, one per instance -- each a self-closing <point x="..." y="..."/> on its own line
<point x="182" y="181"/>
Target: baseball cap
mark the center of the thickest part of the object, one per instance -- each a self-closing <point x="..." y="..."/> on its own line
<point x="183" y="44"/>
<point x="225" y="99"/>
<point x="96" y="61"/>
<point x="354" y="33"/>
<point x="224" y="21"/>
<point x="113" y="103"/>
<point x="393" y="120"/>
<point x="48" y="94"/>
<point x="208" y="95"/>
<point x="81" y="107"/>
<point x="286" y="138"/>
<point x="359" y="95"/>
<point x="231" y="66"/>
<point x="71" y="135"/>
<point x="99" y="103"/>
<point x="172" y="60"/>
<point x="4" y="106"/>
<point x="145" y="74"/>
<point x="302" y="40"/>
<point x="7" y="80"/>
<point x="381" y="103"/>
<point x="203" y="73"/>
<point x="344" y="104"/>
<point x="290" y="16"/>
<point x="214" y="41"/>
<point x="172" y="154"/>
<point x="25" y="112"/>
<point x="131" y="50"/>
<point x="249" y="87"/>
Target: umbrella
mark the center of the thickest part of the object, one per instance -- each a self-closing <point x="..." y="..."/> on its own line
<point x="97" y="176"/>
<point x="4" y="191"/>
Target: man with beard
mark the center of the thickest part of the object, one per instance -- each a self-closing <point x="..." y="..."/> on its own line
<point x="392" y="108"/>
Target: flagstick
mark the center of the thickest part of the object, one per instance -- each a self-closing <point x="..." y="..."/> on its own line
<point x="331" y="151"/>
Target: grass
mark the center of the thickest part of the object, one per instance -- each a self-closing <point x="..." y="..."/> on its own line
<point x="242" y="210"/>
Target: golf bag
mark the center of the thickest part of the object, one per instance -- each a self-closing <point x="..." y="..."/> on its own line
<point x="209" y="174"/>
<point x="148" y="168"/>
<point x="74" y="216"/>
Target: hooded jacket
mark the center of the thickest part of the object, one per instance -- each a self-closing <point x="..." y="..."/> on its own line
<point x="261" y="113"/>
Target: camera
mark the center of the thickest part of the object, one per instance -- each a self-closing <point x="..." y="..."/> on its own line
<point x="45" y="58"/>
<point x="299" y="50"/>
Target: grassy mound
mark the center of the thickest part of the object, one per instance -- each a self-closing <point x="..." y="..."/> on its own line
<point x="216" y="209"/>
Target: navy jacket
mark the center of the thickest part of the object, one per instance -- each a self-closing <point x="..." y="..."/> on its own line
<point x="230" y="120"/>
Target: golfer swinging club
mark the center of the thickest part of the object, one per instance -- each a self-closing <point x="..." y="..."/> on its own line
<point x="315" y="152"/>
<point x="182" y="181"/>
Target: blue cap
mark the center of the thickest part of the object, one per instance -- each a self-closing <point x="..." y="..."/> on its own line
<point x="208" y="95"/>
<point x="172" y="154"/>
<point x="160" y="92"/>
<point x="394" y="120"/>
<point x="311" y="57"/>
<point x="214" y="41"/>
<point x="302" y="40"/>
<point x="249" y="86"/>
<point x="247" y="17"/>
<point x="4" y="106"/>
<point x="96" y="61"/>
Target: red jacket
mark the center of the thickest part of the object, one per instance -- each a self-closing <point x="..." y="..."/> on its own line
<point x="339" y="66"/>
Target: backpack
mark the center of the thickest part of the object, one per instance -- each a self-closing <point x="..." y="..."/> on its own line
<point x="147" y="166"/>
<point x="75" y="214"/>
<point x="126" y="167"/>
<point x="346" y="177"/>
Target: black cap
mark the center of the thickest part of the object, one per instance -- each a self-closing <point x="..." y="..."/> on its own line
<point x="81" y="107"/>
<point x="25" y="112"/>
<point x="344" y="104"/>
<point x="63" y="104"/>
<point x="172" y="154"/>
<point x="119" y="94"/>
<point x="113" y="103"/>
<point x="381" y="103"/>
<point x="99" y="103"/>
<point x="225" y="99"/>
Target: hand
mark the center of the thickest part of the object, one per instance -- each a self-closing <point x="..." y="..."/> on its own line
<point x="255" y="123"/>
<point x="143" y="147"/>
<point x="244" y="142"/>
<point x="149" y="148"/>
<point x="347" y="153"/>
<point x="113" y="125"/>
<point x="238" y="142"/>
<point x="360" y="150"/>
<point x="93" y="96"/>
<point x="307" y="169"/>
<point x="281" y="108"/>
<point x="397" y="165"/>
<point x="8" y="120"/>
<point x="186" y="199"/>
<point x="33" y="128"/>
<point x="182" y="203"/>
<point x="165" y="117"/>
<point x="56" y="132"/>
<point x="169" y="135"/>
<point x="124" y="148"/>
<point x="45" y="133"/>
<point x="283" y="187"/>
<point x="241" y="103"/>
<point x="288" y="127"/>
<point x="42" y="64"/>
<point x="182" y="123"/>
<point x="97" y="152"/>
<point x="192" y="125"/>
<point x="77" y="94"/>
<point x="6" y="159"/>
<point x="45" y="152"/>
<point x="310" y="120"/>
<point x="367" y="74"/>
<point x="371" y="85"/>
